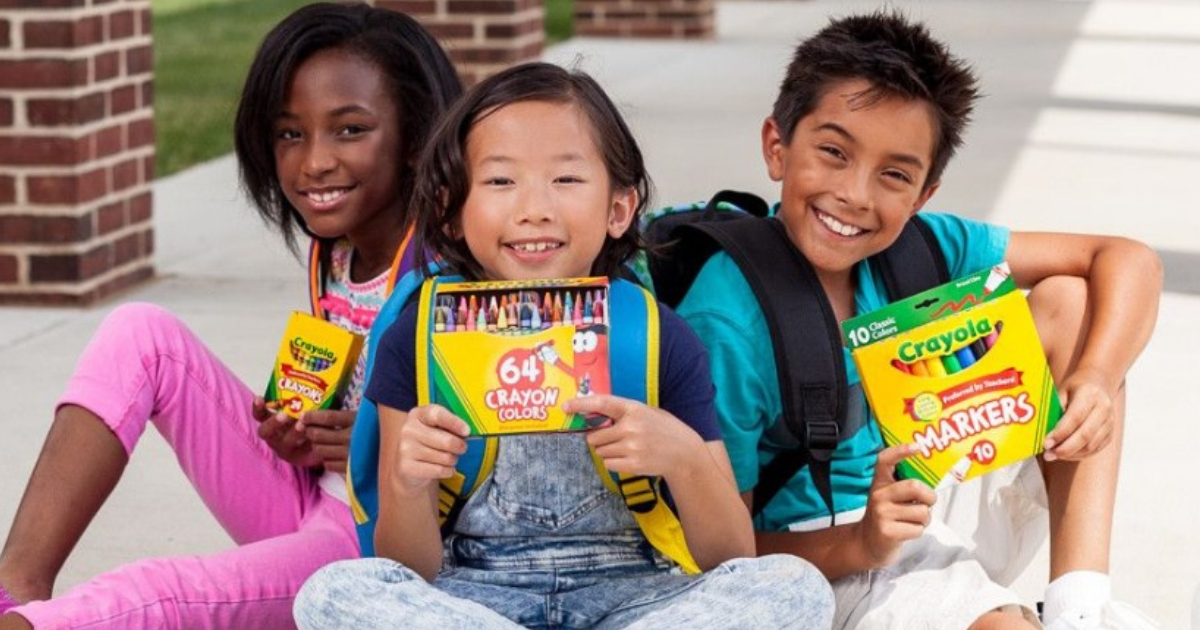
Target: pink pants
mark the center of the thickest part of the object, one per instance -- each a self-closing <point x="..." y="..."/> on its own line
<point x="144" y="364"/>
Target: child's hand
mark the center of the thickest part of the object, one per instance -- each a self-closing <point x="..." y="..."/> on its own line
<point x="1088" y="419"/>
<point x="278" y="430"/>
<point x="640" y="440"/>
<point x="328" y="432"/>
<point x="897" y="511"/>
<point x="428" y="445"/>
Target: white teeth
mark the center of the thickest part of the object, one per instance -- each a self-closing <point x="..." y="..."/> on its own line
<point x="838" y="226"/>
<point x="540" y="246"/>
<point x="327" y="196"/>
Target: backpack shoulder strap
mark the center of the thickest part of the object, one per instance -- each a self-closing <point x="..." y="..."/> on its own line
<point x="913" y="263"/>
<point x="801" y="321"/>
<point x="362" y="468"/>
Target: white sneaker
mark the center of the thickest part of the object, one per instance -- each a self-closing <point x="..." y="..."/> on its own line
<point x="1113" y="615"/>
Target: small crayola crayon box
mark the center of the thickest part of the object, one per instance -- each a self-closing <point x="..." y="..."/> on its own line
<point x="505" y="355"/>
<point x="315" y="358"/>
<point x="957" y="370"/>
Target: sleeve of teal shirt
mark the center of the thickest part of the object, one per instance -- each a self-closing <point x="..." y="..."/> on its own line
<point x="968" y="245"/>
<point x="723" y="312"/>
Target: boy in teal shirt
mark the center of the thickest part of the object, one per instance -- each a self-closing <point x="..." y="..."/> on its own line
<point x="868" y="115"/>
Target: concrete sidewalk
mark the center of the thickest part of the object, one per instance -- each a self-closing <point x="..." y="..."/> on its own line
<point x="1086" y="127"/>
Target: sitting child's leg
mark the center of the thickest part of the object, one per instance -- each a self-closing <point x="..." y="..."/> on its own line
<point x="1081" y="493"/>
<point x="384" y="594"/>
<point x="776" y="591"/>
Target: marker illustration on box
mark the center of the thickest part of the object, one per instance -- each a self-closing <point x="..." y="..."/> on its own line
<point x="504" y="356"/>
<point x="959" y="371"/>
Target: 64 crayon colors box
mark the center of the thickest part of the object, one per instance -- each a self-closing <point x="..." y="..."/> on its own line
<point x="315" y="357"/>
<point x="959" y="371"/>
<point x="505" y="355"/>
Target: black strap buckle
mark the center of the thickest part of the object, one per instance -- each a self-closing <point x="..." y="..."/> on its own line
<point x="821" y="438"/>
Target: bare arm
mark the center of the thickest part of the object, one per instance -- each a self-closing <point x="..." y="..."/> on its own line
<point x="647" y="441"/>
<point x="897" y="511"/>
<point x="1124" y="279"/>
<point x="417" y="449"/>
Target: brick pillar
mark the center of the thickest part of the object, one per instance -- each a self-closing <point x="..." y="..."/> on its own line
<point x="76" y="149"/>
<point x="676" y="19"/>
<point x="482" y="36"/>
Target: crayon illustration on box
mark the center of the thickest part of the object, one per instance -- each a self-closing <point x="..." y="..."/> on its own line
<point x="314" y="360"/>
<point x="505" y="355"/>
<point x="959" y="371"/>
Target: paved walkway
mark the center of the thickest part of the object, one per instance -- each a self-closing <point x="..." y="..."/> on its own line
<point x="1087" y="126"/>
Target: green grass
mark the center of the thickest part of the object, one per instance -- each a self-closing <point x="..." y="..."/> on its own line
<point x="202" y="49"/>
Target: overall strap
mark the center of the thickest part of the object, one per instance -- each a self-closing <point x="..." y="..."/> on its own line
<point x="913" y="263"/>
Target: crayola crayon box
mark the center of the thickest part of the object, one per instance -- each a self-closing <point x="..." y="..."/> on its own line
<point x="505" y="355"/>
<point x="959" y="371"/>
<point x="315" y="358"/>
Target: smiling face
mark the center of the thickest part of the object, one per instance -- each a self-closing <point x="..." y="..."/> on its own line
<point x="337" y="146"/>
<point x="540" y="203"/>
<point x="853" y="174"/>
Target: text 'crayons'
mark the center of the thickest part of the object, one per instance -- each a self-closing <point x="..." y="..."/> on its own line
<point x="953" y="361"/>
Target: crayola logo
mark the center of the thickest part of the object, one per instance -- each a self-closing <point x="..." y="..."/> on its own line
<point x="942" y="343"/>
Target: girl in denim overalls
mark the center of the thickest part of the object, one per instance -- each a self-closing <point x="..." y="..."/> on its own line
<point x="535" y="175"/>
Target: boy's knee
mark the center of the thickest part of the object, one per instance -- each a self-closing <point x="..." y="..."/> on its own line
<point x="1060" y="311"/>
<point x="793" y="578"/>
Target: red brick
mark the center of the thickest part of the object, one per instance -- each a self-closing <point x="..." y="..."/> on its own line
<point x="127" y="249"/>
<point x="8" y="189"/>
<point x="125" y="175"/>
<point x="110" y="217"/>
<point x="411" y="7"/>
<point x="39" y="151"/>
<point x="485" y="7"/>
<point x="492" y="31"/>
<point x="8" y="269"/>
<point x="41" y="4"/>
<point x="25" y="228"/>
<point x="56" y="112"/>
<point x="140" y="133"/>
<point x="145" y="21"/>
<point x="106" y="65"/>
<point x="5" y="36"/>
<point x="106" y="142"/>
<point x="123" y="99"/>
<point x="121" y="25"/>
<point x="42" y="73"/>
<point x="148" y="168"/>
<point x="141" y="208"/>
<point x="6" y="112"/>
<point x="148" y="93"/>
<point x="68" y="189"/>
<point x="447" y="30"/>
<point x="64" y="34"/>
<point x="139" y="60"/>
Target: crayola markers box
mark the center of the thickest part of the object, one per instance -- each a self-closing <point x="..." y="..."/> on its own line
<point x="505" y="355"/>
<point x="957" y="370"/>
<point x="315" y="358"/>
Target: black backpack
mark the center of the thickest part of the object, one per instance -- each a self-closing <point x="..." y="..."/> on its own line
<point x="798" y="314"/>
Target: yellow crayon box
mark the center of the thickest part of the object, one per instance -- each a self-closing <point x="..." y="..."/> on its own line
<point x="957" y="370"/>
<point x="315" y="358"/>
<point x="505" y="355"/>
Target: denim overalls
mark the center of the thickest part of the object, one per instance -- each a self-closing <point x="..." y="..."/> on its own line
<point x="544" y="544"/>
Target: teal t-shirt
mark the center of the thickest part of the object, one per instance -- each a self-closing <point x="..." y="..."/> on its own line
<point x="722" y="309"/>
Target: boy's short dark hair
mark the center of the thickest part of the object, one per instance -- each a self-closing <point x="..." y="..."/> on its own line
<point x="422" y="82"/>
<point x="897" y="57"/>
<point x="442" y="178"/>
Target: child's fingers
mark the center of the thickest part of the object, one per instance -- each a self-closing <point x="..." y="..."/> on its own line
<point x="885" y="465"/>
<point x="327" y="436"/>
<point x="439" y="417"/>
<point x="613" y="407"/>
